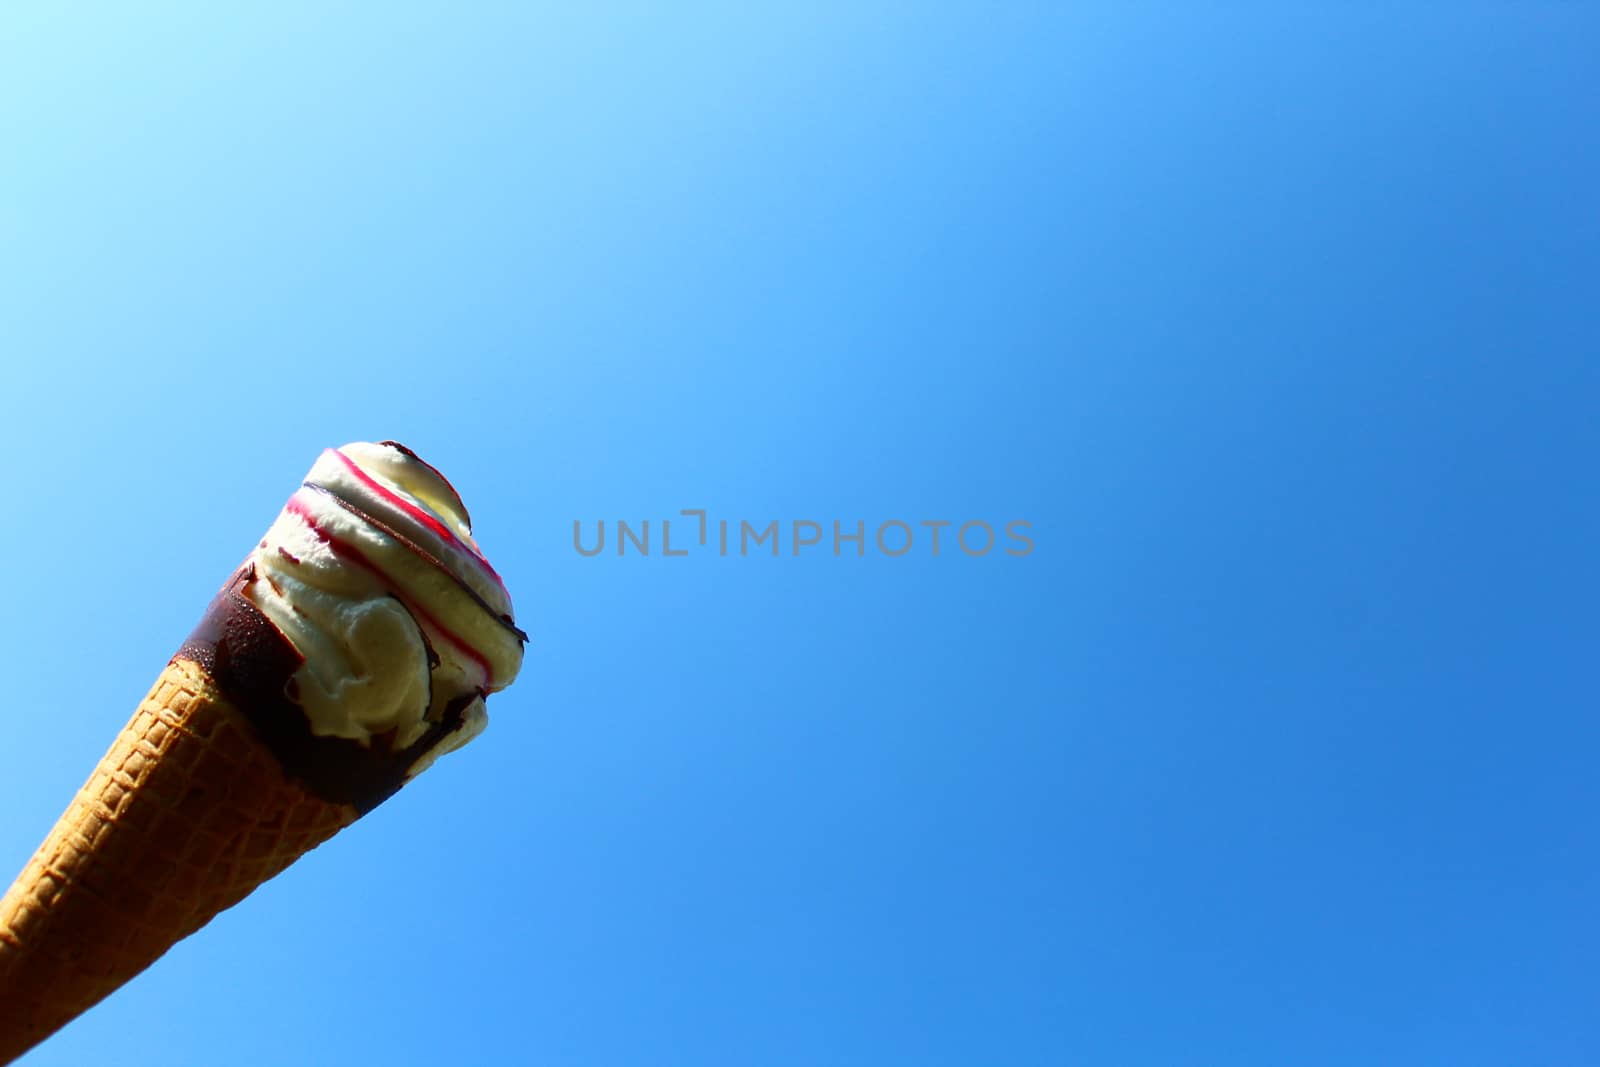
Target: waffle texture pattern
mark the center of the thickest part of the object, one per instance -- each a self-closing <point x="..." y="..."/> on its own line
<point x="184" y="816"/>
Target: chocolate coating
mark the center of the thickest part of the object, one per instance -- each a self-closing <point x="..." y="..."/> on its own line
<point x="253" y="665"/>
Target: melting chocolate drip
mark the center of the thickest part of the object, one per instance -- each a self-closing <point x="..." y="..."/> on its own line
<point x="253" y="664"/>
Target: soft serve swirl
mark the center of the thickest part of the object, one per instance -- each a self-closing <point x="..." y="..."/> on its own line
<point x="372" y="574"/>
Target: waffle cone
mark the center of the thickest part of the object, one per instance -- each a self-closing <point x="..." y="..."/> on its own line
<point x="186" y="814"/>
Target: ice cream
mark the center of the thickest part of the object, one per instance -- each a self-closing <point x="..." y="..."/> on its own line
<point x="397" y="624"/>
<point x="354" y="646"/>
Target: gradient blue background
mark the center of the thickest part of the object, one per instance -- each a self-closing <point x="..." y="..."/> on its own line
<point x="1279" y="324"/>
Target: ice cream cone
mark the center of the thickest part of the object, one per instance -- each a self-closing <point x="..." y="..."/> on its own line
<point x="187" y="814"/>
<point x="355" y="646"/>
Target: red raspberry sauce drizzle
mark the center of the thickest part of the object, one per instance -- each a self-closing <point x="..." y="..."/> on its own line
<point x="345" y="550"/>
<point x="418" y="514"/>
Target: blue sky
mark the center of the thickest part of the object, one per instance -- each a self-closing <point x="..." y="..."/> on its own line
<point x="1276" y="322"/>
